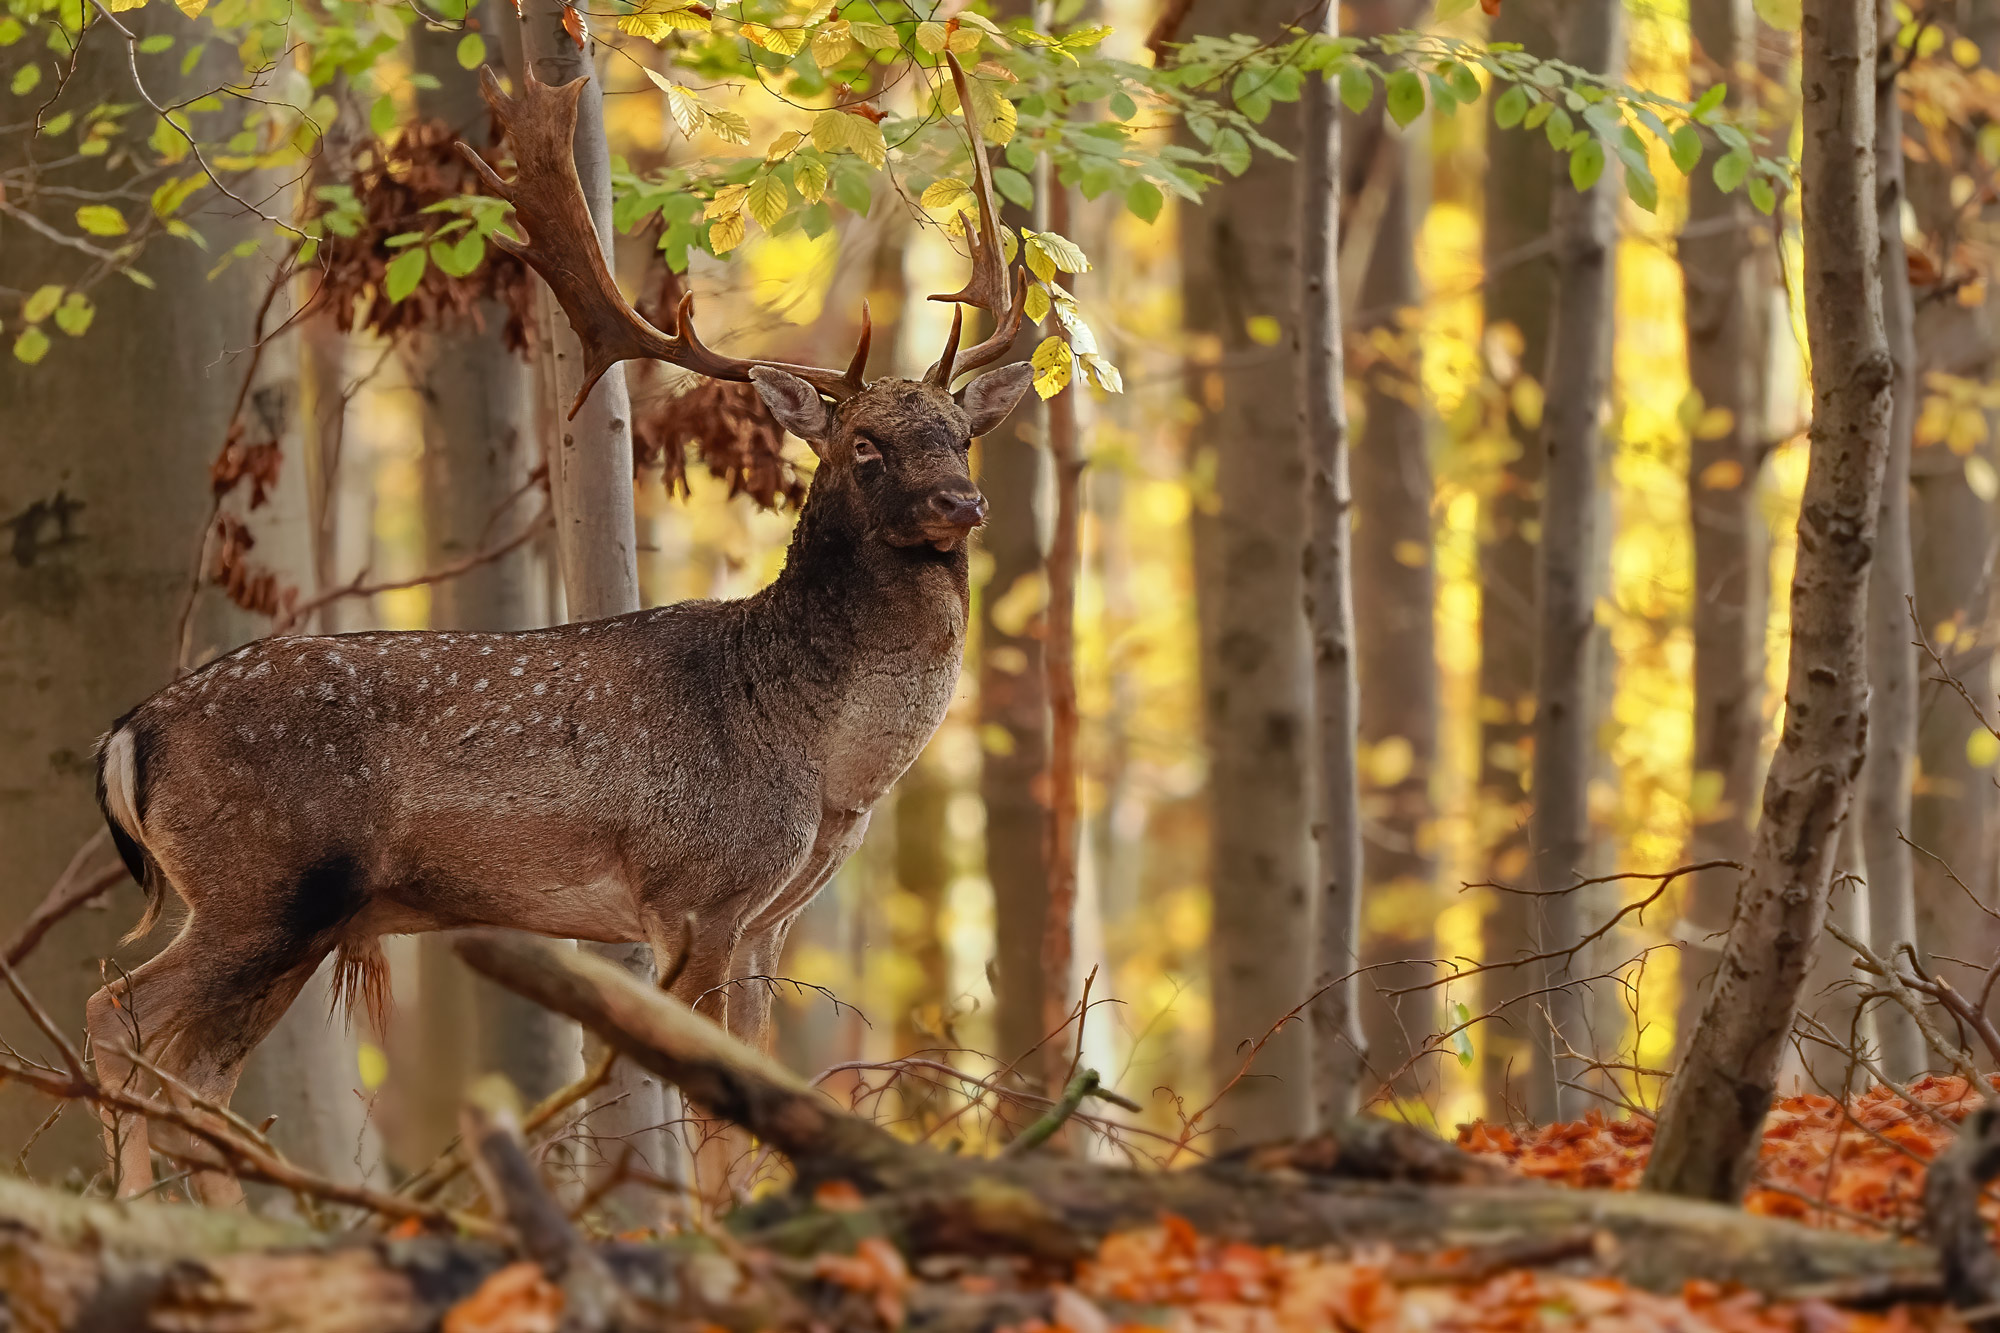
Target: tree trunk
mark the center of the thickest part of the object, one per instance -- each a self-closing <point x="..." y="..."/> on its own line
<point x="1394" y="593"/>
<point x="1567" y="574"/>
<point x="1240" y="265"/>
<point x="590" y="483"/>
<point x="1953" y="814"/>
<point x="477" y="404"/>
<point x="1709" y="1129"/>
<point x="1892" y="658"/>
<point x="1337" y="1042"/>
<point x="1013" y="709"/>
<point x="923" y="877"/>
<point x="1519" y="291"/>
<point x="1725" y="278"/>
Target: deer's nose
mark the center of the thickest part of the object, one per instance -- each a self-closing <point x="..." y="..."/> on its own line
<point x="961" y="509"/>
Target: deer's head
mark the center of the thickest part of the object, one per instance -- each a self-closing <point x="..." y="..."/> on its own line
<point x="898" y="445"/>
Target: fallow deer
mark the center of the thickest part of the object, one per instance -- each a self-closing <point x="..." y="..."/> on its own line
<point x="712" y="761"/>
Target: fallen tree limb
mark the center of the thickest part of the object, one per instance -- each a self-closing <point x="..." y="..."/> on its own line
<point x="1364" y="1184"/>
<point x="1952" y="1188"/>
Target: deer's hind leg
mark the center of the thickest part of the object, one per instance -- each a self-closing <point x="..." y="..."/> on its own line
<point x="195" y="1011"/>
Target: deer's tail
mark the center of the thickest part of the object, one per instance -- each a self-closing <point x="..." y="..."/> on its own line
<point x="361" y="980"/>
<point x="118" y="796"/>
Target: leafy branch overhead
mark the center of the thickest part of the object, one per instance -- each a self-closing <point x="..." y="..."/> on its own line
<point x="872" y="120"/>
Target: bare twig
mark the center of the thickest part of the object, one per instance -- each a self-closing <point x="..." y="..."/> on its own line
<point x="1903" y="995"/>
<point x="1035" y="1135"/>
<point x="78" y="886"/>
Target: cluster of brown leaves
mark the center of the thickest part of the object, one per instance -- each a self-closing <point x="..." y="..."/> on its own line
<point x="731" y="433"/>
<point x="1171" y="1277"/>
<point x="246" y="583"/>
<point x="394" y="183"/>
<point x="1850" y="1166"/>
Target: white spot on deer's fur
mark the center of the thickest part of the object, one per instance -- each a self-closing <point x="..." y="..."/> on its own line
<point x="326" y="691"/>
<point x="470" y="732"/>
<point x="263" y="669"/>
<point x="452" y="679"/>
<point x="298" y="691"/>
<point x="542" y="688"/>
<point x="516" y="671"/>
<point x="520" y="661"/>
<point x="382" y="651"/>
<point x="247" y="733"/>
<point x="590" y="695"/>
<point x="487" y="651"/>
<point x="334" y="658"/>
<point x="236" y="672"/>
<point x="424" y="653"/>
<point x="481" y="684"/>
<point x="331" y="753"/>
<point x="367" y="772"/>
<point x="277" y="731"/>
<point x="208" y="711"/>
<point x="513" y="729"/>
<point x="447" y="712"/>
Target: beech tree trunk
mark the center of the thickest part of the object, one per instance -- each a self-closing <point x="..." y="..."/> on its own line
<point x="1519" y="291"/>
<point x="1394" y="586"/>
<point x="1953" y="814"/>
<point x="1710" y="1125"/>
<point x="923" y="877"/>
<point x="477" y="404"/>
<point x="1568" y="572"/>
<point x="1725" y="280"/>
<point x="1338" y="1049"/>
<point x="1013" y="708"/>
<point x="1241" y="264"/>
<point x="590" y="482"/>
<point x="1887" y="774"/>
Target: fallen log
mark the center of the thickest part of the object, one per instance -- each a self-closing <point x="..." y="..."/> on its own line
<point x="1369" y="1183"/>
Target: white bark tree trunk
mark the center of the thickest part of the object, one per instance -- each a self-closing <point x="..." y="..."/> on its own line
<point x="1338" y="1047"/>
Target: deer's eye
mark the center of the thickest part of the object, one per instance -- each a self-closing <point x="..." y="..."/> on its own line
<point x="867" y="450"/>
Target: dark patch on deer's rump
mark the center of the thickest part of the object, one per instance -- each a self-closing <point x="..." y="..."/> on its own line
<point x="326" y="897"/>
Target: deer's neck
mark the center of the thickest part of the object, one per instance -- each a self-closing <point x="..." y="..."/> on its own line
<point x="868" y="639"/>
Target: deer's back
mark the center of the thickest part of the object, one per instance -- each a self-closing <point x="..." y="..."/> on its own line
<point x="457" y="777"/>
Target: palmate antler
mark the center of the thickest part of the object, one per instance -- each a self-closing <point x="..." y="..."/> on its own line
<point x="562" y="246"/>
<point x="988" y="288"/>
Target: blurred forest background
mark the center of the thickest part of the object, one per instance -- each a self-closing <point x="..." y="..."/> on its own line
<point x="185" y="464"/>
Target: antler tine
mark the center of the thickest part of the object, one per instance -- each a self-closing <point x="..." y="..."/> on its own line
<point x="988" y="288"/>
<point x="562" y="246"/>
<point x="941" y="371"/>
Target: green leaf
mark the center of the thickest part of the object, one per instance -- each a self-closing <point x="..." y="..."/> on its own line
<point x="101" y="220"/>
<point x="1463" y="83"/>
<point x="1762" y="194"/>
<point x="1461" y="1038"/>
<point x="1560" y="129"/>
<point x="1730" y="171"/>
<point x="1406" y="96"/>
<point x="1709" y="100"/>
<point x="1451" y="9"/>
<point x="1510" y="107"/>
<point x="1586" y="164"/>
<point x="155" y="44"/>
<point x="25" y="81"/>
<point x="1014" y="187"/>
<point x="1357" y="88"/>
<point x="406" y="270"/>
<point x="1232" y="150"/>
<point x="471" y="51"/>
<point x="1144" y="199"/>
<point x="42" y="303"/>
<point x="10" y="30"/>
<point x="1122" y="105"/>
<point x="403" y="239"/>
<point x="32" y="345"/>
<point x="382" y="116"/>
<point x="1685" y="148"/>
<point x="73" y="316"/>
<point x="1642" y="188"/>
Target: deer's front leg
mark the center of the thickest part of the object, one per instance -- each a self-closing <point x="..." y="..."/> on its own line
<point x="840" y="832"/>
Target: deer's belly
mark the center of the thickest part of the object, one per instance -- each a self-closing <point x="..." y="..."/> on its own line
<point x="883" y="725"/>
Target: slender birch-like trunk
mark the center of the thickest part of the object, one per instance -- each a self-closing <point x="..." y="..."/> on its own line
<point x="1709" y="1129"/>
<point x="1892" y="657"/>
<point x="1337" y="1044"/>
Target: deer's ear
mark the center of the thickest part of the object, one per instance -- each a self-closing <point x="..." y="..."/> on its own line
<point x="989" y="399"/>
<point x="796" y="404"/>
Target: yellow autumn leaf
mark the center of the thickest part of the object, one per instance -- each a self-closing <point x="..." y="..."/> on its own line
<point x="950" y="192"/>
<point x="1933" y="419"/>
<point x="1411" y="554"/>
<point x="727" y="233"/>
<point x="1036" y="307"/>
<point x="809" y="179"/>
<point x="767" y="200"/>
<point x="1982" y="748"/>
<point x="1714" y="423"/>
<point x="1981" y="479"/>
<point x="932" y="37"/>
<point x="831" y="43"/>
<point x="1966" y="432"/>
<point x="784" y="144"/>
<point x="838" y="131"/>
<point x="728" y="199"/>
<point x="962" y="40"/>
<point x="787" y="41"/>
<point x="1052" y="362"/>
<point x="120" y="6"/>
<point x="191" y="8"/>
<point x="101" y="220"/>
